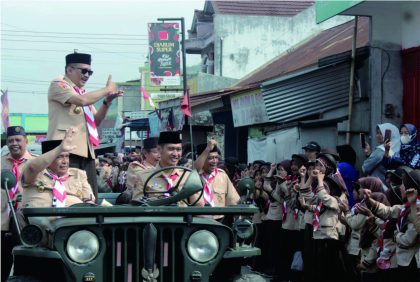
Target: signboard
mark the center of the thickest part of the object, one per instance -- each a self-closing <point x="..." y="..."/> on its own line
<point x="109" y="135"/>
<point x="328" y="9"/>
<point x="165" y="95"/>
<point x="137" y="115"/>
<point x="248" y="109"/>
<point x="164" y="54"/>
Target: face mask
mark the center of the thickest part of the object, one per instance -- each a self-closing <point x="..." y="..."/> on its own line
<point x="405" y="139"/>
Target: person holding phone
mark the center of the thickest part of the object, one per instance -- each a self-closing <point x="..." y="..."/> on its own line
<point x="409" y="153"/>
<point x="373" y="166"/>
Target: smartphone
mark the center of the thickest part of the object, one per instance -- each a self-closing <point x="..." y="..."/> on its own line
<point x="387" y="136"/>
<point x="363" y="140"/>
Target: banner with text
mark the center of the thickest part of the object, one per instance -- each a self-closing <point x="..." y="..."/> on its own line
<point x="164" y="54"/>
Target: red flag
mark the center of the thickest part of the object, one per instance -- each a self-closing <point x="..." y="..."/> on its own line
<point x="185" y="106"/>
<point x="144" y="93"/>
<point x="5" y="109"/>
<point x="146" y="96"/>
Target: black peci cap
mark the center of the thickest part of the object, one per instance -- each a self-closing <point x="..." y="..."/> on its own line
<point x="50" y="145"/>
<point x="78" y="58"/>
<point x="150" y="143"/>
<point x="170" y="137"/>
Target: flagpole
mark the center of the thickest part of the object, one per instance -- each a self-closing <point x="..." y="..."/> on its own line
<point x="184" y="78"/>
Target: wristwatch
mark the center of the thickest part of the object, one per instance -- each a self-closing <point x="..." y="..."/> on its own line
<point x="106" y="103"/>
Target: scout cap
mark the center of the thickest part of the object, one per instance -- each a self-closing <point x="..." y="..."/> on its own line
<point x="15" y="130"/>
<point x="50" y="145"/>
<point x="170" y="137"/>
<point x="312" y="146"/>
<point x="412" y="179"/>
<point x="150" y="143"/>
<point x="78" y="58"/>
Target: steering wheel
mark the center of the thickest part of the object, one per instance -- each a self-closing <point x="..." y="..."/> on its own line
<point x="175" y="188"/>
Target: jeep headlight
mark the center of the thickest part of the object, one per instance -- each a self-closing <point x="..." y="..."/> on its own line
<point x="202" y="246"/>
<point x="82" y="246"/>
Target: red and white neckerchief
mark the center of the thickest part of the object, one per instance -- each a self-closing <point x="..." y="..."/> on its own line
<point x="15" y="170"/>
<point x="169" y="182"/>
<point x="59" y="190"/>
<point x="283" y="207"/>
<point x="296" y="214"/>
<point x="109" y="182"/>
<point x="403" y="214"/>
<point x="316" y="215"/>
<point x="381" y="238"/>
<point x="90" y="120"/>
<point x="208" y="192"/>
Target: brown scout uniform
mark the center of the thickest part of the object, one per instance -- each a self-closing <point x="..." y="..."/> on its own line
<point x="6" y="164"/>
<point x="159" y="184"/>
<point x="77" y="188"/>
<point x="133" y="174"/>
<point x="224" y="192"/>
<point x="62" y="116"/>
<point x="407" y="242"/>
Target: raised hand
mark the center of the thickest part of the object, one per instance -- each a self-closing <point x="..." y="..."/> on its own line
<point x="302" y="171"/>
<point x="111" y="86"/>
<point x="113" y="95"/>
<point x="67" y="143"/>
<point x="211" y="143"/>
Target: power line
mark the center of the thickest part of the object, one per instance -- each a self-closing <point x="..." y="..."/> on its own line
<point x="67" y="42"/>
<point x="76" y="33"/>
<point x="51" y="36"/>
<point x="64" y="51"/>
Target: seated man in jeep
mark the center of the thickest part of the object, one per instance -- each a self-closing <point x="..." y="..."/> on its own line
<point x="49" y="182"/>
<point x="160" y="185"/>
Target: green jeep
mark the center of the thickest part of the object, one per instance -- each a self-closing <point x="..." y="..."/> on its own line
<point x="150" y="241"/>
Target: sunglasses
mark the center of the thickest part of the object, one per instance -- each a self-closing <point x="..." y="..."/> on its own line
<point x="84" y="71"/>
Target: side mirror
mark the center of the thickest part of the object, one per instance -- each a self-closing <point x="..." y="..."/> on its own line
<point x="8" y="179"/>
<point x="191" y="186"/>
<point x="246" y="186"/>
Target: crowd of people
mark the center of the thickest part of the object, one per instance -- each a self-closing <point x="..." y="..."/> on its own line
<point x="320" y="218"/>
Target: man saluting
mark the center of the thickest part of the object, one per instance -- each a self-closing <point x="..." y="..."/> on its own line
<point x="49" y="182"/>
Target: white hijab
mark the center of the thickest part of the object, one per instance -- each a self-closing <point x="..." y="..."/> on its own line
<point x="395" y="137"/>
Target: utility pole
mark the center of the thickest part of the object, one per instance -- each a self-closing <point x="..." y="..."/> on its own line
<point x="184" y="76"/>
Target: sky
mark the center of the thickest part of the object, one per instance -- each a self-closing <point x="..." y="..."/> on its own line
<point x="37" y="35"/>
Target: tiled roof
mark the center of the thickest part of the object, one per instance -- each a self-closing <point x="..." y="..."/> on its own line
<point x="329" y="42"/>
<point x="260" y="7"/>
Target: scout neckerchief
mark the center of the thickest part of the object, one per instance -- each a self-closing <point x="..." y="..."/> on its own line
<point x="90" y="121"/>
<point x="316" y="215"/>
<point x="109" y="181"/>
<point x="59" y="190"/>
<point x="169" y="182"/>
<point x="208" y="179"/>
<point x="284" y="211"/>
<point x="402" y="218"/>
<point x="15" y="170"/>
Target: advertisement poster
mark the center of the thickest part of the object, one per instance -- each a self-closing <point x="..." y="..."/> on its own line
<point x="164" y="54"/>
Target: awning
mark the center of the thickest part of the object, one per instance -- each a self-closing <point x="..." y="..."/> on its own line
<point x="141" y="124"/>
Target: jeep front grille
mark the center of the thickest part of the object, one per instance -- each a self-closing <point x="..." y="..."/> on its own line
<point x="124" y="253"/>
